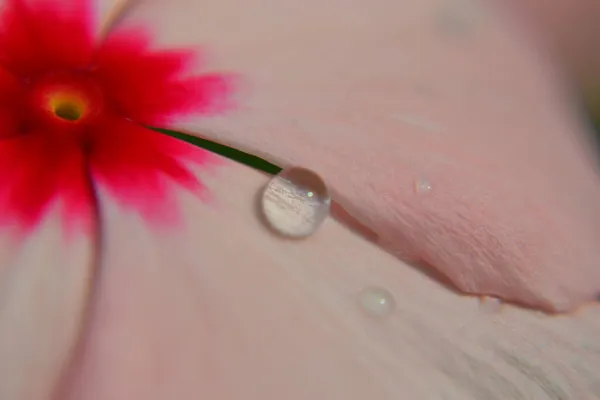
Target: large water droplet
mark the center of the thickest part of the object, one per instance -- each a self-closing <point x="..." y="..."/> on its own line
<point x="296" y="202"/>
<point x="376" y="301"/>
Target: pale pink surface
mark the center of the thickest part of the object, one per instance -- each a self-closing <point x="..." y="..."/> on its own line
<point x="220" y="308"/>
<point x="569" y="28"/>
<point x="377" y="95"/>
<point x="44" y="290"/>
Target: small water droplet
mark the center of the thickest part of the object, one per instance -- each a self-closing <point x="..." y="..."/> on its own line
<point x="423" y="186"/>
<point x="376" y="301"/>
<point x="295" y="202"/>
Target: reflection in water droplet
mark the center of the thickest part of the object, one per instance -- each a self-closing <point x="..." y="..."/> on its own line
<point x="296" y="202"/>
<point x="423" y="186"/>
<point x="376" y="301"/>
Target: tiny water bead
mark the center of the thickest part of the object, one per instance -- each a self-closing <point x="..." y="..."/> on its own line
<point x="296" y="202"/>
<point x="377" y="301"/>
<point x="423" y="186"/>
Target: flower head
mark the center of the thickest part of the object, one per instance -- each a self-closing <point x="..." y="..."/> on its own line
<point x="76" y="110"/>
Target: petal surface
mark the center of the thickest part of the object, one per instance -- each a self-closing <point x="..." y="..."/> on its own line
<point x="385" y="98"/>
<point x="39" y="35"/>
<point x="46" y="252"/>
<point x="570" y="29"/>
<point x="10" y="102"/>
<point x="44" y="287"/>
<point x="218" y="307"/>
<point x="146" y="86"/>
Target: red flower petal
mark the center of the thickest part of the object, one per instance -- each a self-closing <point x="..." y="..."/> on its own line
<point x="36" y="36"/>
<point x="36" y="170"/>
<point x="136" y="164"/>
<point x="11" y="100"/>
<point x="150" y="86"/>
<point x="65" y="107"/>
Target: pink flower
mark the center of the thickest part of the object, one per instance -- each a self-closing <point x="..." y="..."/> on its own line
<point x="134" y="266"/>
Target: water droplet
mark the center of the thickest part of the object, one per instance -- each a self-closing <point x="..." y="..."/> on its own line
<point x="296" y="202"/>
<point x="376" y="301"/>
<point x="423" y="186"/>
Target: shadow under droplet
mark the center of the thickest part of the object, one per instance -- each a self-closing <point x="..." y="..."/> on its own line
<point x="340" y="214"/>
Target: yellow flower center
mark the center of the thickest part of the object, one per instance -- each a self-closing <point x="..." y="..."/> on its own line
<point x="68" y="106"/>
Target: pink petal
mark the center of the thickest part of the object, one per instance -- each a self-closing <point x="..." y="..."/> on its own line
<point x="568" y="28"/>
<point x="44" y="287"/>
<point x="377" y="96"/>
<point x="220" y="308"/>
